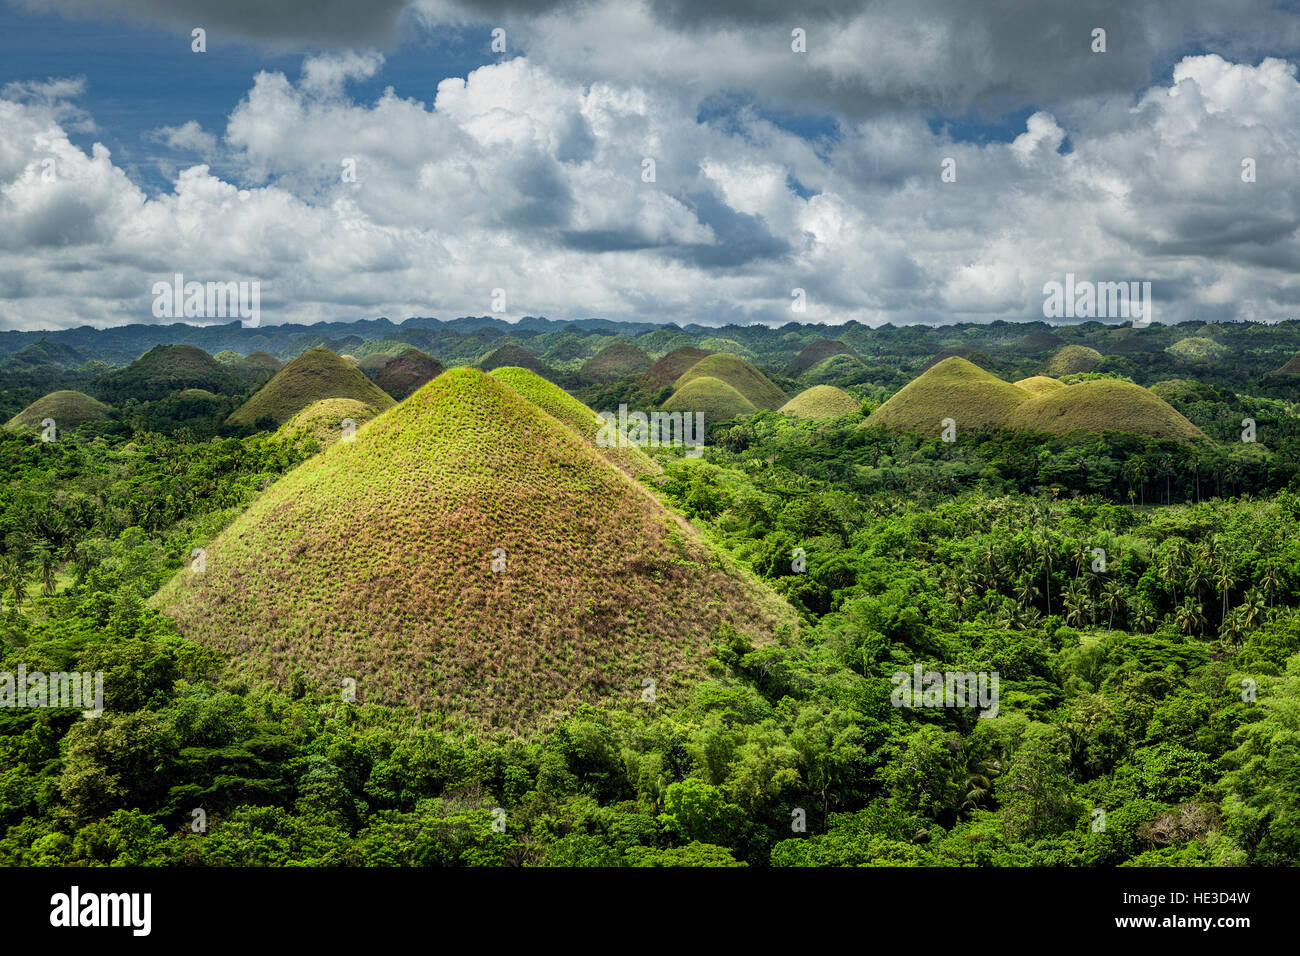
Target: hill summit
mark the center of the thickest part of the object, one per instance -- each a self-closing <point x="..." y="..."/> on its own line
<point x="974" y="398"/>
<point x="467" y="552"/>
<point x="67" y="408"/>
<point x="312" y="376"/>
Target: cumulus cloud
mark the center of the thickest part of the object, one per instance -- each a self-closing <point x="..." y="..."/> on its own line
<point x="520" y="177"/>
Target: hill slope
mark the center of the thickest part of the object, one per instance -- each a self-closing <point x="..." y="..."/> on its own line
<point x="312" y="376"/>
<point x="67" y="408"/>
<point x="167" y="369"/>
<point x="1103" y="405"/>
<point x="324" y="420"/>
<point x="740" y="375"/>
<point x="715" y="398"/>
<point x="373" y="561"/>
<point x="956" y="389"/>
<point x="514" y="356"/>
<point x="814" y="354"/>
<point x="400" y="375"/>
<point x="1038" y="384"/>
<point x="558" y="403"/>
<point x="673" y="366"/>
<point x="1071" y="359"/>
<point x="615" y="361"/>
<point x="822" y="401"/>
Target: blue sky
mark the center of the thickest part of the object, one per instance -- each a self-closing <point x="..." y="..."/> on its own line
<point x="776" y="169"/>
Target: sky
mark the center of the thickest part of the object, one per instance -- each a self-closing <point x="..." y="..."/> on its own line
<point x="899" y="161"/>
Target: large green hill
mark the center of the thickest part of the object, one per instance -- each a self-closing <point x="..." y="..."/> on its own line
<point x="312" y="376"/>
<point x="67" y="408"/>
<point x="757" y="388"/>
<point x="373" y="562"/>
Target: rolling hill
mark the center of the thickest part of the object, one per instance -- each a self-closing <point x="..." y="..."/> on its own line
<point x="374" y="561"/>
<point x="615" y="361"/>
<point x="715" y="398"/>
<point x="757" y="389"/>
<point x="515" y="356"/>
<point x="814" y="354"/>
<point x="400" y="375"/>
<point x="68" y="409"/>
<point x="166" y="369"/>
<point x="558" y="403"/>
<point x="1103" y="405"/>
<point x="837" y="370"/>
<point x="956" y="389"/>
<point x="324" y="420"/>
<point x="312" y="376"/>
<point x="822" y="401"/>
<point x="1072" y="359"/>
<point x="673" y="366"/>
<point x="1038" y="384"/>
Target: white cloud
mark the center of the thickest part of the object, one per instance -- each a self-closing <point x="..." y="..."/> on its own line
<point x="520" y="177"/>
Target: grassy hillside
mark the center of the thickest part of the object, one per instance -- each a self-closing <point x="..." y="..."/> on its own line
<point x="740" y="375"/>
<point x="514" y="356"/>
<point x="716" y="399"/>
<point x="837" y="370"/>
<point x="613" y="362"/>
<point x="558" y="403"/>
<point x="400" y="375"/>
<point x="67" y="408"/>
<point x="167" y="369"/>
<point x="822" y="401"/>
<point x="1103" y="405"/>
<point x="814" y="354"/>
<point x="1197" y="348"/>
<point x="673" y="366"/>
<point x="1038" y="384"/>
<point x="1072" y="359"/>
<point x="324" y="420"/>
<point x="312" y="376"/>
<point x="374" y="561"/>
<point x="956" y="389"/>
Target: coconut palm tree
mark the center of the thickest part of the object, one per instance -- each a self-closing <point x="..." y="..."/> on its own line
<point x="1189" y="618"/>
<point x="1112" y="597"/>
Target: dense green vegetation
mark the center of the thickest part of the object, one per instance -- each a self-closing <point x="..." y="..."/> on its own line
<point x="1159" y="682"/>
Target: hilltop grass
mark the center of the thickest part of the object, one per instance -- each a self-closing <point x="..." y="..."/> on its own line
<point x="838" y="370"/>
<point x="67" y="408"/>
<point x="558" y="403"/>
<point x="167" y="369"/>
<point x="323" y="420"/>
<point x="956" y="389"/>
<point x="822" y="401"/>
<point x="757" y="389"/>
<point x="1072" y="359"/>
<point x="815" y="354"/>
<point x="615" y="361"/>
<point x="716" y="399"/>
<point x="312" y="376"/>
<point x="1103" y="405"/>
<point x="401" y="375"/>
<point x="373" y="561"/>
<point x="1039" y="384"/>
<point x="673" y="366"/>
<point x="1197" y="349"/>
<point x="514" y="356"/>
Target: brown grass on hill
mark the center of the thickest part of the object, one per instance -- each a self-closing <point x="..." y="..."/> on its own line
<point x="373" y="561"/>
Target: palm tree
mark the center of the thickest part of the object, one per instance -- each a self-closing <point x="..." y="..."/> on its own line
<point x="1189" y="617"/>
<point x="1144" y="617"/>
<point x="1271" y="579"/>
<point x="49" y="564"/>
<point x="1252" y="610"/>
<point x="1227" y="580"/>
<point x="1231" y="630"/>
<point x="1112" y="596"/>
